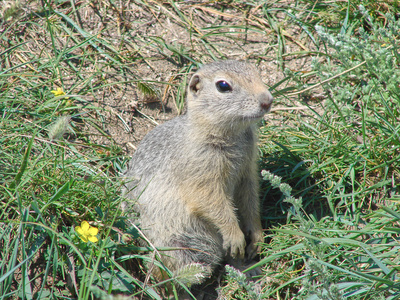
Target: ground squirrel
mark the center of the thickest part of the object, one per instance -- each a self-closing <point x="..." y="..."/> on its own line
<point x="195" y="179"/>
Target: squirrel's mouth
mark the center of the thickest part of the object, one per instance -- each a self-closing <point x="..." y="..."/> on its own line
<point x="255" y="116"/>
<point x="258" y="112"/>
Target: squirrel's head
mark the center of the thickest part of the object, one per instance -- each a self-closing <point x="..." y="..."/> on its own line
<point x="228" y="92"/>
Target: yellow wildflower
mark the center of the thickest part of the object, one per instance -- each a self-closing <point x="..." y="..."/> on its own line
<point x="87" y="232"/>
<point x="59" y="92"/>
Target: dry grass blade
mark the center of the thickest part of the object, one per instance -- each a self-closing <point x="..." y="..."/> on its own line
<point x="327" y="80"/>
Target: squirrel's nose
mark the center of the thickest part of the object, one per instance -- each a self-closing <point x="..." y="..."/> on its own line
<point x="265" y="99"/>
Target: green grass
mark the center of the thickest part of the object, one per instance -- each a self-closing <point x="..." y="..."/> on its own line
<point x="335" y="238"/>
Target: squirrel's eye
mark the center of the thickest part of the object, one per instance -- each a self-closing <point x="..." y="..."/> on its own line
<point x="223" y="86"/>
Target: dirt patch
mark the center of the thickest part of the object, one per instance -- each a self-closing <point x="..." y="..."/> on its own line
<point x="125" y="64"/>
<point x="159" y="44"/>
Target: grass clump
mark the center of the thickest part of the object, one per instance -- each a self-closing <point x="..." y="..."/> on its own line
<point x="335" y="259"/>
<point x="49" y="184"/>
<point x="52" y="175"/>
<point x="339" y="239"/>
<point x="351" y="147"/>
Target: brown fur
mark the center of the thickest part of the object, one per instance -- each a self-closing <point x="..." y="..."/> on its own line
<point x="195" y="178"/>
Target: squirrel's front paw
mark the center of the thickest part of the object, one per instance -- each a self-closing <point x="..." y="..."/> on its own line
<point x="235" y="244"/>
<point x="256" y="237"/>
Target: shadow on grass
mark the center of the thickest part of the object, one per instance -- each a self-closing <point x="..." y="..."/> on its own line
<point x="293" y="171"/>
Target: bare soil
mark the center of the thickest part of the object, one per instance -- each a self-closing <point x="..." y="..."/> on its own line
<point x="153" y="41"/>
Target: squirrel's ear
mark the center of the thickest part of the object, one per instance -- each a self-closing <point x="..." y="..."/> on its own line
<point x="195" y="84"/>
